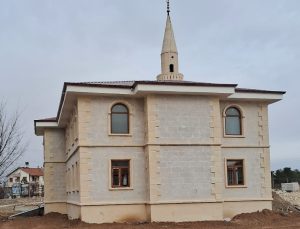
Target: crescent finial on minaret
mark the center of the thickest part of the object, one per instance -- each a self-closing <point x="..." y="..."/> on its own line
<point x="168" y="7"/>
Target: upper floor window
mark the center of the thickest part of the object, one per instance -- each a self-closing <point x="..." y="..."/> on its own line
<point x="233" y="121"/>
<point x="119" y="119"/>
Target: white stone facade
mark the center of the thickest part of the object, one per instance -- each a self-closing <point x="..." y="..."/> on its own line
<point x="176" y="147"/>
<point x="177" y="152"/>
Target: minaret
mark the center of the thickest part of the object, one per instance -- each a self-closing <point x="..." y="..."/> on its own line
<point x="169" y="54"/>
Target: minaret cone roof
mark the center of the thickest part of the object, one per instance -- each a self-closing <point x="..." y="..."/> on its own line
<point x="169" y="44"/>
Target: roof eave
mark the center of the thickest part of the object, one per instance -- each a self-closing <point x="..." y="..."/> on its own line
<point x="41" y="125"/>
<point x="147" y="87"/>
<point x="263" y="96"/>
<point x="246" y="90"/>
<point x="185" y="90"/>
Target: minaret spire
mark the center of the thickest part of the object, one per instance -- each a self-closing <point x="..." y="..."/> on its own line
<point x="169" y="53"/>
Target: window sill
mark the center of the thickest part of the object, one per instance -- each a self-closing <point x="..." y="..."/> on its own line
<point x="121" y="189"/>
<point x="236" y="186"/>
<point x="234" y="136"/>
<point x="120" y="135"/>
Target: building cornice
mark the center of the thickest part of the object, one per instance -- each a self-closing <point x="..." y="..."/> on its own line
<point x="143" y="88"/>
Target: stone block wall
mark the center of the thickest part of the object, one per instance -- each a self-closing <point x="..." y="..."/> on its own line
<point x="185" y="173"/>
<point x="94" y="121"/>
<point x="253" y="147"/>
<point x="73" y="178"/>
<point x="255" y="125"/>
<point x="71" y="132"/>
<point x="95" y="174"/>
<point x="177" y="153"/>
<point x="55" y="189"/>
<point x="54" y="145"/>
<point x="183" y="119"/>
<point x="253" y="174"/>
<point x="54" y="166"/>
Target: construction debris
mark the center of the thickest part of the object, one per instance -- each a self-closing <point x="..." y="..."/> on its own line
<point x="286" y="202"/>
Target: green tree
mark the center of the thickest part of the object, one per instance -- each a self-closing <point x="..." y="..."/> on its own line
<point x="285" y="175"/>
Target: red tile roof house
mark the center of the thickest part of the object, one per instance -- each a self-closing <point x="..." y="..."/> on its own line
<point x="25" y="175"/>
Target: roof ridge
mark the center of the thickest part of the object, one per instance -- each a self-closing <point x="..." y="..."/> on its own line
<point x="113" y="81"/>
<point x="239" y="89"/>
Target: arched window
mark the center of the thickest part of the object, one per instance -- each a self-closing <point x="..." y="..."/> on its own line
<point x="171" y="67"/>
<point x="233" y="121"/>
<point x="119" y="119"/>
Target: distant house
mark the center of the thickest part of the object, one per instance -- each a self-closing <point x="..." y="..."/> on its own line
<point x="23" y="176"/>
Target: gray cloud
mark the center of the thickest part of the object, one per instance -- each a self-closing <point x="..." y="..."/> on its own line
<point x="253" y="43"/>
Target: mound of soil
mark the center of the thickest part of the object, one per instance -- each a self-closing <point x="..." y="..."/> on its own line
<point x="265" y="218"/>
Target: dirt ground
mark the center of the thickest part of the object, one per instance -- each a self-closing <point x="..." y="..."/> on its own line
<point x="282" y="216"/>
<point x="12" y="206"/>
<point x="27" y="200"/>
<point x="264" y="219"/>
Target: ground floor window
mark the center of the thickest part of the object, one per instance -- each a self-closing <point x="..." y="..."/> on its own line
<point x="235" y="172"/>
<point x="120" y="173"/>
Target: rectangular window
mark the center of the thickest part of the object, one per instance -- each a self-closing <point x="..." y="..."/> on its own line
<point x="10" y="179"/>
<point x="120" y="173"/>
<point x="235" y="172"/>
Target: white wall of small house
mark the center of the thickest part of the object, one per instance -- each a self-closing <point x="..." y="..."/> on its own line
<point x="41" y="180"/>
<point x="19" y="173"/>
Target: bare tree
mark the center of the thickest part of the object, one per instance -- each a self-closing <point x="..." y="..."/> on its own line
<point x="12" y="145"/>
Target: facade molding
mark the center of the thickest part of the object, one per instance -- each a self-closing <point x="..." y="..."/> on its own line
<point x="245" y="146"/>
<point x="54" y="202"/>
<point x="54" y="162"/>
<point x="167" y="202"/>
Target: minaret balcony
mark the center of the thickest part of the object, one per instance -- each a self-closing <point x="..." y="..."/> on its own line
<point x="170" y="77"/>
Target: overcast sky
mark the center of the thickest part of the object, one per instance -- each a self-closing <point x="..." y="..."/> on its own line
<point x="253" y="43"/>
